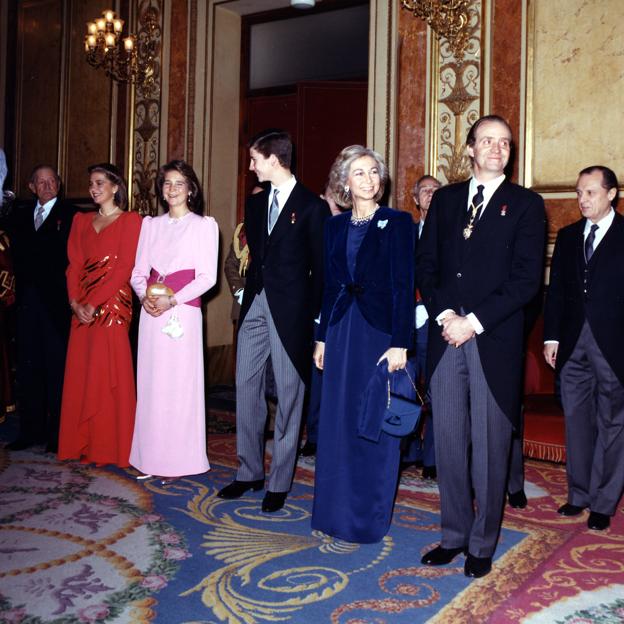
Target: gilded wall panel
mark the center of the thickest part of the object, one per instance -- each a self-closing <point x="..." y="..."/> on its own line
<point x="455" y="99"/>
<point x="575" y="96"/>
<point x="146" y="114"/>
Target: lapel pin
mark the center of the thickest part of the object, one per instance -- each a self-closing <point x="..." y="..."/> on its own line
<point x="504" y="210"/>
<point x="58" y="225"/>
<point x="293" y="217"/>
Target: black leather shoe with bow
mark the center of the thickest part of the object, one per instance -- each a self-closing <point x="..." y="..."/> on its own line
<point x="237" y="488"/>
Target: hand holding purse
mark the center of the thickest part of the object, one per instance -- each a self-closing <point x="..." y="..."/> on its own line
<point x="401" y="415"/>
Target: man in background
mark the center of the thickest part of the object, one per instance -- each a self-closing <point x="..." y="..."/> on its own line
<point x="584" y="341"/>
<point x="38" y="233"/>
<point x="421" y="449"/>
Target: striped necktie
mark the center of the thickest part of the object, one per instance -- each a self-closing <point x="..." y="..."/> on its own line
<point x="273" y="211"/>
<point x="39" y="218"/>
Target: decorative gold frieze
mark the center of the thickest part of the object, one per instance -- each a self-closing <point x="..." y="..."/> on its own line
<point x="146" y="114"/>
<point x="449" y="19"/>
<point x="455" y="98"/>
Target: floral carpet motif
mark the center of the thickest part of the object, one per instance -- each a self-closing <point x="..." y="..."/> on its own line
<point x="81" y="544"/>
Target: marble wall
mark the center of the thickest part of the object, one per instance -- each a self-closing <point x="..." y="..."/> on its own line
<point x="575" y="96"/>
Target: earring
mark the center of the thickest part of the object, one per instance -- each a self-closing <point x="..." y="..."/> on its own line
<point x="346" y="190"/>
<point x="188" y="198"/>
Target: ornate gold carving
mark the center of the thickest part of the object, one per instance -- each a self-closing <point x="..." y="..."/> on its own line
<point x="147" y="107"/>
<point x="449" y="19"/>
<point x="456" y="99"/>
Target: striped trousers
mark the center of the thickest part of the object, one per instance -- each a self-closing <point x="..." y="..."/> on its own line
<point x="257" y="340"/>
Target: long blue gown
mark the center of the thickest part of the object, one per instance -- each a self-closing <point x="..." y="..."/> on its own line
<point x="355" y="479"/>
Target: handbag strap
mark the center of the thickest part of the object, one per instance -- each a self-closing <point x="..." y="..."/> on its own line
<point x="413" y="386"/>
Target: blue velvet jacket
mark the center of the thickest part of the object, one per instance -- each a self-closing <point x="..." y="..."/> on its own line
<point x="383" y="284"/>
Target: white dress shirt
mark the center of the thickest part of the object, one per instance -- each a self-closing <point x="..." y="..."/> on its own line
<point x="284" y="192"/>
<point x="47" y="208"/>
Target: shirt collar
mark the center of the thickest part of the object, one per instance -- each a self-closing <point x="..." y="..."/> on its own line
<point x="47" y="207"/>
<point x="603" y="225"/>
<point x="285" y="188"/>
<point x="489" y="188"/>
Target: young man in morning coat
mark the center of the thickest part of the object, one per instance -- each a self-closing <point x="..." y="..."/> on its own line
<point x="282" y="297"/>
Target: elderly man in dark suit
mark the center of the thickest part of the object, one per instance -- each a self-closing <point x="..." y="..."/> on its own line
<point x="422" y="450"/>
<point x="584" y="340"/>
<point x="479" y="263"/>
<point x="39" y="234"/>
<point x="282" y="297"/>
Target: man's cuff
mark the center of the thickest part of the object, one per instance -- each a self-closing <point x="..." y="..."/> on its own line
<point x="476" y="325"/>
<point x="443" y="315"/>
<point x="551" y="342"/>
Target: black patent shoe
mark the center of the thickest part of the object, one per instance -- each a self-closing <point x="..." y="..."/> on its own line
<point x="441" y="556"/>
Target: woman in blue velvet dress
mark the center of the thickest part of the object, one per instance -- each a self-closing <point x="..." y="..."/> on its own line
<point x="367" y="316"/>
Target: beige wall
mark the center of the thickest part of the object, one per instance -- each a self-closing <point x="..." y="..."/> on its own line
<point x="575" y="92"/>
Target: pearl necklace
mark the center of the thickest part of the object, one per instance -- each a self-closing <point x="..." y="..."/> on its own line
<point x="357" y="221"/>
<point x="104" y="214"/>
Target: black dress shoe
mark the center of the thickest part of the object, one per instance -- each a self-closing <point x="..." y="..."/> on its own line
<point x="517" y="500"/>
<point x="430" y="473"/>
<point x="20" y="444"/>
<point x="476" y="567"/>
<point x="570" y="510"/>
<point x="273" y="501"/>
<point x="237" y="488"/>
<point x="441" y="556"/>
<point x="598" y="521"/>
<point x="308" y="449"/>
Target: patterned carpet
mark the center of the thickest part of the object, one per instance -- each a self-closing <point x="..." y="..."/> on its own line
<point x="81" y="544"/>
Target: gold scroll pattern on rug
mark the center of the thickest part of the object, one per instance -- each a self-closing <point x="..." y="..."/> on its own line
<point x="244" y="549"/>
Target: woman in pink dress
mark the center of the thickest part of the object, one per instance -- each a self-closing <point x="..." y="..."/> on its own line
<point x="177" y="249"/>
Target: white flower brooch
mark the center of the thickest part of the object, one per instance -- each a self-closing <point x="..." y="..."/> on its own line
<point x="382" y="224"/>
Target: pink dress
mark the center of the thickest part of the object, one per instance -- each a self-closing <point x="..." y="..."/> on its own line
<point x="170" y="430"/>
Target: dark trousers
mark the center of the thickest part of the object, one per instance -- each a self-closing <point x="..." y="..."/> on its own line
<point x="593" y="404"/>
<point x="516" y="460"/>
<point x="314" y="405"/>
<point x="41" y="350"/>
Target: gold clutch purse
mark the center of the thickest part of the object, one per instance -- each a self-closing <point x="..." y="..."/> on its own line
<point x="157" y="289"/>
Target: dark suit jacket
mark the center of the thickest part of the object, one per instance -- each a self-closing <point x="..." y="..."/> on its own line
<point x="493" y="274"/>
<point x="40" y="259"/>
<point x="383" y="284"/>
<point x="288" y="264"/>
<point x="568" y="306"/>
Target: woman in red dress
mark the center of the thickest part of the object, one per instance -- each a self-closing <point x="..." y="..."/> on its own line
<point x="99" y="400"/>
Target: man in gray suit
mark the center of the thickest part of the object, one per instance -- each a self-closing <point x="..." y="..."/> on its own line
<point x="282" y="297"/>
<point x="584" y="340"/>
<point x="479" y="262"/>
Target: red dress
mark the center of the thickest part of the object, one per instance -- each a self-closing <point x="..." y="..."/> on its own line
<point x="99" y="399"/>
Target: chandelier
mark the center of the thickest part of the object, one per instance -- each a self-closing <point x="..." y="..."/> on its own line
<point x="131" y="59"/>
<point x="447" y="18"/>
